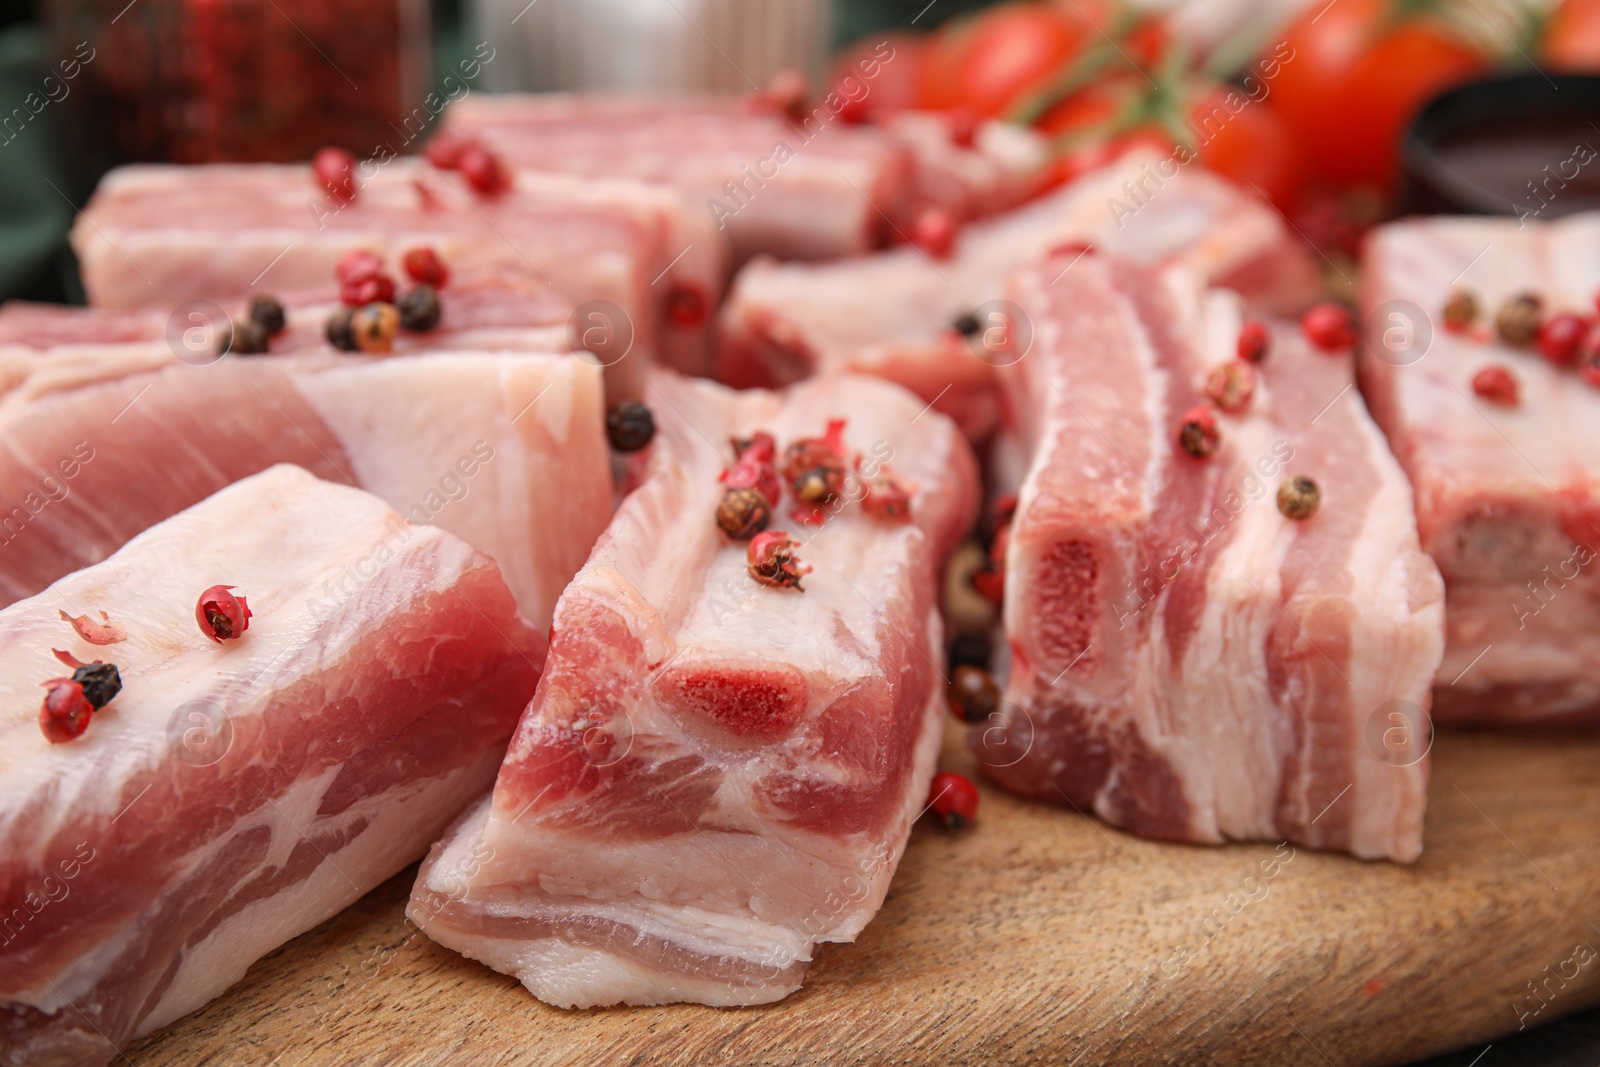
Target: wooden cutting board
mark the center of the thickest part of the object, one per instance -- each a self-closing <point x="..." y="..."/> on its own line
<point x="1040" y="936"/>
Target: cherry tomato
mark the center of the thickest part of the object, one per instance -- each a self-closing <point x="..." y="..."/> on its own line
<point x="1252" y="145"/>
<point x="1351" y="77"/>
<point x="992" y="62"/>
<point x="1571" y="38"/>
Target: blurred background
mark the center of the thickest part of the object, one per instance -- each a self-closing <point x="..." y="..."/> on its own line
<point x="1327" y="90"/>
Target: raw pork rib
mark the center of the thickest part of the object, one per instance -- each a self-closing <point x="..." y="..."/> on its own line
<point x="837" y="190"/>
<point x="891" y="315"/>
<point x="497" y="312"/>
<point x="231" y="797"/>
<point x="716" y="776"/>
<point x="154" y="236"/>
<point x="1508" y="498"/>
<point x="100" y="442"/>
<point x="1185" y="660"/>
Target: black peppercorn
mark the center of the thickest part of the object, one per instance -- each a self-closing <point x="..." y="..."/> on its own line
<point x="419" y="309"/>
<point x="100" y="682"/>
<point x="974" y="696"/>
<point x="338" y="330"/>
<point x="267" y="313"/>
<point x="966" y="325"/>
<point x="743" y="513"/>
<point x="1299" y="497"/>
<point x="629" y="426"/>
<point x="242" y="339"/>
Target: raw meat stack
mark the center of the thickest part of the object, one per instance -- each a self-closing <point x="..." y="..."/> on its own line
<point x="1508" y="486"/>
<point x="1195" y="656"/>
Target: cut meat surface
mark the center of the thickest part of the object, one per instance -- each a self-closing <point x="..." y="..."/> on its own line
<point x="158" y="236"/>
<point x="99" y="442"/>
<point x="501" y="311"/>
<point x="231" y="797"/>
<point x="821" y="190"/>
<point x="717" y="775"/>
<point x="1508" y="497"/>
<point x="1185" y="660"/>
<point x="894" y="315"/>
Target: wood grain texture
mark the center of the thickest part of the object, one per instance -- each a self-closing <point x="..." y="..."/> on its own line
<point x="1040" y="936"/>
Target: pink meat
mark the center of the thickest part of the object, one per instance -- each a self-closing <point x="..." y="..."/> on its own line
<point x="831" y="190"/>
<point x="158" y="236"/>
<point x="716" y="775"/>
<point x="1508" y="498"/>
<point x="891" y="315"/>
<point x="493" y="312"/>
<point x="99" y="442"/>
<point x="231" y="797"/>
<point x="1185" y="660"/>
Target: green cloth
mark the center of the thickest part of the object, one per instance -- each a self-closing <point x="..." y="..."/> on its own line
<point x="34" y="218"/>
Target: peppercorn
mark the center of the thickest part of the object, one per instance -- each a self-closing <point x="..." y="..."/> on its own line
<point x="629" y="426"/>
<point x="335" y="171"/>
<point x="100" y="682"/>
<point x="687" y="305"/>
<point x="966" y="325"/>
<point x="1299" y="497"/>
<point x="933" y="230"/>
<point x="887" y="500"/>
<point x="1518" y="320"/>
<point x="974" y="696"/>
<point x="1197" y="431"/>
<point x="65" y="713"/>
<point x="372" y="328"/>
<point x="771" y="560"/>
<point x="423" y="266"/>
<point x="819" y="485"/>
<point x="1560" y="336"/>
<point x="267" y="313"/>
<point x="743" y="513"/>
<point x="483" y="170"/>
<point x="970" y="648"/>
<point x="1460" y="311"/>
<point x="954" y="799"/>
<point x="1254" y="341"/>
<point x="222" y="615"/>
<point x="338" y="329"/>
<point x="807" y="454"/>
<point x="419" y="309"/>
<point x="1230" y="385"/>
<point x="1497" y="385"/>
<point x="1589" y="366"/>
<point x="242" y="339"/>
<point x="1329" y="326"/>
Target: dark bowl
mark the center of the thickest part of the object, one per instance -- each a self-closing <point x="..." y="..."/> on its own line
<point x="1526" y="145"/>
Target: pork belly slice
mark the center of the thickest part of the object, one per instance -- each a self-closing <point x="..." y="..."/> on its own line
<point x="160" y="235"/>
<point x="1186" y="661"/>
<point x="717" y="776"/>
<point x="100" y="442"/>
<point x="1508" y="498"/>
<point x="233" y="796"/>
<point x="891" y="315"/>
<point x="497" y="311"/>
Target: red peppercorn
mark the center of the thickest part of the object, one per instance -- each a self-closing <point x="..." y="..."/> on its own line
<point x="362" y="279"/>
<point x="1069" y="250"/>
<point x="221" y="615"/>
<point x="687" y="306"/>
<point x="445" y="149"/>
<point x="1559" y="337"/>
<point x="357" y="263"/>
<point x="335" y="170"/>
<point x="852" y="109"/>
<point x="887" y="500"/>
<point x="484" y="171"/>
<point x="753" y="467"/>
<point x="934" y="231"/>
<point x="954" y="799"/>
<point x="66" y="712"/>
<point x="1496" y="384"/>
<point x="963" y="124"/>
<point x="1254" y="340"/>
<point x="1197" y="431"/>
<point x="1330" y="327"/>
<point x="771" y="560"/>
<point x="423" y="266"/>
<point x="1231" y="385"/>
